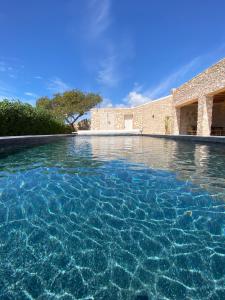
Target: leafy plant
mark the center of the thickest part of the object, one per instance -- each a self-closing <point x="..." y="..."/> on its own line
<point x="70" y="105"/>
<point x="17" y="118"/>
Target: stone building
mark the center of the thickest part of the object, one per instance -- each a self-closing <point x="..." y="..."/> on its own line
<point x="195" y="108"/>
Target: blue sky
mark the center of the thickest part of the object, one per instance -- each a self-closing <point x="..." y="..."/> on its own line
<point x="129" y="51"/>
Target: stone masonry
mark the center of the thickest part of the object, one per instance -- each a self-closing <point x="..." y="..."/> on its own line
<point x="152" y="117"/>
<point x="201" y="88"/>
<point x="169" y="115"/>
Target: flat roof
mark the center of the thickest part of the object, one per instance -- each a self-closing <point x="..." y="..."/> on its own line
<point x="132" y="107"/>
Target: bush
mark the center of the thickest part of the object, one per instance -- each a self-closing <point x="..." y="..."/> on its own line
<point x="17" y="118"/>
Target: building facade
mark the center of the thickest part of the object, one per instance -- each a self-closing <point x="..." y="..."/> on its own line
<point x="195" y="108"/>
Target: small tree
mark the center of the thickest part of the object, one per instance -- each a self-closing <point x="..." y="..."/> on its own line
<point x="70" y="105"/>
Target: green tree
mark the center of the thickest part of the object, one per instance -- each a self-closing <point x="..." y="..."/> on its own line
<point x="44" y="102"/>
<point x="70" y="105"/>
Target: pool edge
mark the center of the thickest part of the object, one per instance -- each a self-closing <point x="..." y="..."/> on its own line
<point x="31" y="139"/>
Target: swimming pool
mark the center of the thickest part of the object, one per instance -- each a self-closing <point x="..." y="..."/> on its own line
<point x="113" y="218"/>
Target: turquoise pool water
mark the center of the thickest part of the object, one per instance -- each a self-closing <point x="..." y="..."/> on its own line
<point x="113" y="218"/>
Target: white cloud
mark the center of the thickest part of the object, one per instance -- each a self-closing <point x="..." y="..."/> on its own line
<point x="185" y="72"/>
<point x="38" y="77"/>
<point x="106" y="103"/>
<point x="138" y="96"/>
<point x="30" y="94"/>
<point x="57" y="85"/>
<point x="134" y="99"/>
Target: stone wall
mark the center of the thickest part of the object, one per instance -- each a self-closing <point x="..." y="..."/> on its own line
<point x="100" y="118"/>
<point x="158" y="116"/>
<point x="166" y="115"/>
<point x="201" y="88"/>
<point x="153" y="117"/>
<point x="188" y="117"/>
<point x="210" y="81"/>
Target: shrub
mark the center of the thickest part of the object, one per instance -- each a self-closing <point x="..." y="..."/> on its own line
<point x="17" y="118"/>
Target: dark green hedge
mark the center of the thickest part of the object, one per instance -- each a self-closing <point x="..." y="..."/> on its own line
<point x="17" y="118"/>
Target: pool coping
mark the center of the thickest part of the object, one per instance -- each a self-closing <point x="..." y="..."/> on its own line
<point x="191" y="138"/>
<point x="120" y="132"/>
<point x="31" y="139"/>
<point x="36" y="139"/>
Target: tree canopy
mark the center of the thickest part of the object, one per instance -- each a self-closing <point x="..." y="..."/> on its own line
<point x="70" y="105"/>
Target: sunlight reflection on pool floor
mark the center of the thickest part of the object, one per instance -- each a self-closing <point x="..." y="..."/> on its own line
<point x="94" y="218"/>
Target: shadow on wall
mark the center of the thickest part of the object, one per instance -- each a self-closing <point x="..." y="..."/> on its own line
<point x="189" y="119"/>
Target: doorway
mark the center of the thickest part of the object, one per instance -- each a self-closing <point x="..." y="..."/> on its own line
<point x="128" y="122"/>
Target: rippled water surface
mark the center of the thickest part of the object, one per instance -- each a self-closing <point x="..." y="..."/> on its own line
<point x="113" y="218"/>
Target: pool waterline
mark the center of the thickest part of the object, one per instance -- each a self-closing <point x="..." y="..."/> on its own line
<point x="113" y="218"/>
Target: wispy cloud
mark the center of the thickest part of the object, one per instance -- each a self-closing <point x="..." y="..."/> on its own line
<point x="57" y="85"/>
<point x="173" y="79"/>
<point x="10" y="70"/>
<point x="38" y="77"/>
<point x="108" y="72"/>
<point x="106" y="103"/>
<point x="30" y="94"/>
<point x="4" y="67"/>
<point x="6" y="90"/>
<point x="110" y="53"/>
<point x="164" y="87"/>
<point x="12" y="76"/>
<point x="99" y="17"/>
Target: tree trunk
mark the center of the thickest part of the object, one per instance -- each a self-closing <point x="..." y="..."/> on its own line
<point x="72" y="126"/>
